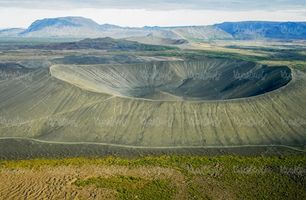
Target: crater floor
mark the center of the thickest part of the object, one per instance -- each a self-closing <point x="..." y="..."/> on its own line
<point x="209" y="79"/>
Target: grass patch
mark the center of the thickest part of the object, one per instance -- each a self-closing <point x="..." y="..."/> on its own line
<point x="172" y="161"/>
<point x="129" y="187"/>
<point x="236" y="176"/>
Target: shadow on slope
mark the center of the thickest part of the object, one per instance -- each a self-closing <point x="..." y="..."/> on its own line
<point x="209" y="79"/>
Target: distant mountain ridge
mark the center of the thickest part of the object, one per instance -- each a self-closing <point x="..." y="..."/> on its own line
<point x="11" y="32"/>
<point x="264" y="29"/>
<point x="80" y="27"/>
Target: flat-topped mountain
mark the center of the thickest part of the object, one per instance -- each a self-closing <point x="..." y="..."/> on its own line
<point x="61" y="23"/>
<point x="62" y="27"/>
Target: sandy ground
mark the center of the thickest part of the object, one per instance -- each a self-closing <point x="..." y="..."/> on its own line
<point x="57" y="182"/>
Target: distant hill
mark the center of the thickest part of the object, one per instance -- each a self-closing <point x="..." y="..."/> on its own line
<point x="157" y="39"/>
<point x="11" y="32"/>
<point x="61" y="23"/>
<point x="62" y="27"/>
<point x="261" y="30"/>
<point x="107" y="43"/>
<point x="80" y="27"/>
<point x="198" y="33"/>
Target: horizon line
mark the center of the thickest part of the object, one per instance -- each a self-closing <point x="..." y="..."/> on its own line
<point x="154" y="26"/>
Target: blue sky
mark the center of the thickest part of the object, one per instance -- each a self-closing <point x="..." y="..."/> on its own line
<point x="20" y="13"/>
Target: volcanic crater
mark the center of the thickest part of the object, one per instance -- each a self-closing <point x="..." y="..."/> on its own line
<point x="208" y="79"/>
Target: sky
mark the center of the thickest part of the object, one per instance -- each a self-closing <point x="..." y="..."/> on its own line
<point x="137" y="13"/>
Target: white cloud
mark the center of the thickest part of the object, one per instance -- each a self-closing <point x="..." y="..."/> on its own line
<point x="22" y="17"/>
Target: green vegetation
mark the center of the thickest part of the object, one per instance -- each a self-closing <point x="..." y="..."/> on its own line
<point x="129" y="187"/>
<point x="173" y="161"/>
<point x="232" y="177"/>
<point x="275" y="55"/>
